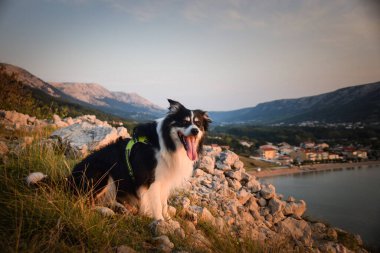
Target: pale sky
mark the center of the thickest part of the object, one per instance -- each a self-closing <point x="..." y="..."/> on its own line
<point x="209" y="54"/>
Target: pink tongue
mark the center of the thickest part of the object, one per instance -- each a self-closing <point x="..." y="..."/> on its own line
<point x="191" y="150"/>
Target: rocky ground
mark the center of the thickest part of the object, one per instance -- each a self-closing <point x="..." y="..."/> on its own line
<point x="220" y="194"/>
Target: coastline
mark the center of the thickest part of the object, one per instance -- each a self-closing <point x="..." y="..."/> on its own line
<point x="281" y="171"/>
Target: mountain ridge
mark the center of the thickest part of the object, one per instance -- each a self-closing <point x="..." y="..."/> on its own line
<point x="353" y="103"/>
<point x="90" y="95"/>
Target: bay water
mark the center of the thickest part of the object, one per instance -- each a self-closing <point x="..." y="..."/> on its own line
<point x="344" y="198"/>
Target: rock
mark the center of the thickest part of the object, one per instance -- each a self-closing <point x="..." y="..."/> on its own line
<point x="253" y="185"/>
<point x="243" y="196"/>
<point x="161" y="227"/>
<point x="198" y="173"/>
<point x="207" y="164"/>
<point x="233" y="174"/>
<point x="3" y="148"/>
<point x="234" y="184"/>
<point x="206" y="216"/>
<point x="79" y="137"/>
<point x="238" y="165"/>
<point x="122" y="132"/>
<point x="228" y="157"/>
<point x="125" y="249"/>
<point x="290" y="199"/>
<point x="58" y="121"/>
<point x="172" y="211"/>
<point x="296" y="208"/>
<point x="200" y="241"/>
<point x="203" y="214"/>
<point x="163" y="243"/>
<point x="220" y="224"/>
<point x="276" y="205"/>
<point x="299" y="230"/>
<point x="69" y="121"/>
<point x="331" y="234"/>
<point x="189" y="227"/>
<point x="262" y="202"/>
<point x="267" y="191"/>
<point x="15" y="118"/>
<point x="252" y="204"/>
<point x="222" y="166"/>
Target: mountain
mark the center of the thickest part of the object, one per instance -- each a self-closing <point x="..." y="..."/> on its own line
<point x="25" y="93"/>
<point x="350" y="104"/>
<point x="87" y="96"/>
<point x="130" y="105"/>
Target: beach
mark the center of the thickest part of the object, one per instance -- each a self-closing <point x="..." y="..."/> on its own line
<point x="280" y="171"/>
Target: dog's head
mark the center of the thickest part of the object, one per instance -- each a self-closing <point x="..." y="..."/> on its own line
<point x="187" y="128"/>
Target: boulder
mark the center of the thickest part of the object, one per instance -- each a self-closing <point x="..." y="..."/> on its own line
<point x="85" y="137"/>
<point x="15" y="118"/>
<point x="161" y="227"/>
<point x="276" y="205"/>
<point x="58" y="121"/>
<point x="207" y="164"/>
<point x="228" y="157"/>
<point x="163" y="243"/>
<point x="253" y="185"/>
<point x="233" y="174"/>
<point x="252" y="205"/>
<point x="243" y="196"/>
<point x="268" y="191"/>
<point x="298" y="230"/>
<point x="297" y="208"/>
<point x="238" y="165"/>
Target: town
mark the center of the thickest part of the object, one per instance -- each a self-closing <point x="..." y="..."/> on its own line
<point x="284" y="154"/>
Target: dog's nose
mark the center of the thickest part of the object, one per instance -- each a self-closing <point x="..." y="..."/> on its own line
<point x="194" y="131"/>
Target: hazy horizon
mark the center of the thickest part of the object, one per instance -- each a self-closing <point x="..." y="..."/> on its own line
<point x="217" y="55"/>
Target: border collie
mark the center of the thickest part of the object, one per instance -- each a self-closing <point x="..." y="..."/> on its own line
<point x="158" y="164"/>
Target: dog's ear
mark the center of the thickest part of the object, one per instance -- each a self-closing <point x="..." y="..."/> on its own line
<point x="174" y="106"/>
<point x="206" y="117"/>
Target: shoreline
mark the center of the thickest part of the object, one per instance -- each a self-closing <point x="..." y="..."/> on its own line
<point x="281" y="171"/>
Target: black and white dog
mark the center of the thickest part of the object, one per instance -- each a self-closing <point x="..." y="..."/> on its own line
<point x="158" y="164"/>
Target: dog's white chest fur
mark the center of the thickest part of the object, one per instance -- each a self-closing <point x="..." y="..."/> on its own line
<point x="173" y="168"/>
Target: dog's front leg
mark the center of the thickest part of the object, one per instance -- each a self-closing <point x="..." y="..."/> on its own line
<point x="164" y="203"/>
<point x="155" y="200"/>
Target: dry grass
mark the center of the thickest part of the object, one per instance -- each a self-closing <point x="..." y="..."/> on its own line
<point x="49" y="219"/>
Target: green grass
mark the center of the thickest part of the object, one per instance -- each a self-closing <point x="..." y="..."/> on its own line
<point x="49" y="219"/>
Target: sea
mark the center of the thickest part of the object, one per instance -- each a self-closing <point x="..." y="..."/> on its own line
<point x="344" y="198"/>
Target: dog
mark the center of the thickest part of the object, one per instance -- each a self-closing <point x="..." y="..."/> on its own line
<point x="143" y="170"/>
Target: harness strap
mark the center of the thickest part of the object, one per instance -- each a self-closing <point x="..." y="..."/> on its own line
<point x="128" y="149"/>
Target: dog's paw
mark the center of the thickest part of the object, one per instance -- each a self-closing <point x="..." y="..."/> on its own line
<point x="104" y="211"/>
<point x="120" y="208"/>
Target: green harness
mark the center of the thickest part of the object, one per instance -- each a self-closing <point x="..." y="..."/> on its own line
<point x="128" y="149"/>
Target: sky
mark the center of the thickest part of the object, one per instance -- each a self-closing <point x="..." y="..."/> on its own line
<point x="208" y="54"/>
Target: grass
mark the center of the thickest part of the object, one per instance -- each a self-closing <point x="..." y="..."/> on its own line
<point x="49" y="219"/>
<point x="252" y="164"/>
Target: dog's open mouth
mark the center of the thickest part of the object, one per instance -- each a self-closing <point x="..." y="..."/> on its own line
<point x="190" y="145"/>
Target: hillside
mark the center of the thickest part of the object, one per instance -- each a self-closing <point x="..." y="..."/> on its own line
<point x="121" y="104"/>
<point x="351" y="104"/>
<point x="221" y="208"/>
<point x="28" y="94"/>
<point x="87" y="96"/>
